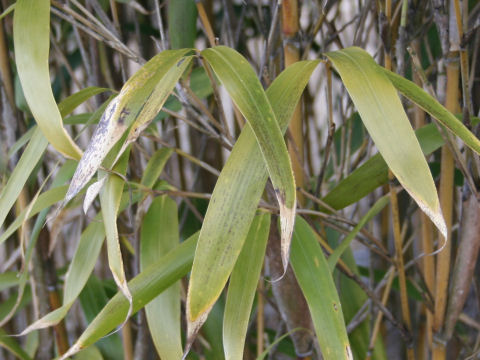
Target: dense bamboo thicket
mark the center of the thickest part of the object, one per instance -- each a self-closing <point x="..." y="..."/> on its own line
<point x="239" y="179"/>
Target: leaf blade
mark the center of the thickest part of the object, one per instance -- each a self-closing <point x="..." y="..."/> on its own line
<point x="230" y="213"/>
<point x="384" y="117"/>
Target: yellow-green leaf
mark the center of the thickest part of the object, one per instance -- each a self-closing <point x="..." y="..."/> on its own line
<point x="236" y="195"/>
<point x="315" y="279"/>
<point x="158" y="75"/>
<point x="31" y="37"/>
<point x="159" y="235"/>
<point x="242" y="287"/>
<point x="384" y="117"/>
<point x="243" y="86"/>
<point x="434" y="108"/>
<point x="110" y="198"/>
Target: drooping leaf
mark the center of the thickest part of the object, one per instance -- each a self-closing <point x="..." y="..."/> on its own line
<point x="11" y="344"/>
<point x="315" y="279"/>
<point x="110" y="198"/>
<point x="384" y="117"/>
<point x="434" y="108"/>
<point x="144" y="288"/>
<point x="230" y="213"/>
<point x="243" y="86"/>
<point x="159" y="235"/>
<point x="158" y="75"/>
<point x="31" y="37"/>
<point x="155" y="167"/>
<point x="242" y="287"/>
<point x="29" y="159"/>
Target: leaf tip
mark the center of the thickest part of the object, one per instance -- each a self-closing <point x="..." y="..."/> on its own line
<point x="193" y="327"/>
<point x="287" y="221"/>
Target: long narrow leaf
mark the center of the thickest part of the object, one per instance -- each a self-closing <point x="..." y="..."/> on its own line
<point x="242" y="287"/>
<point x="243" y="86"/>
<point x="434" y="108"/>
<point x="237" y="194"/>
<point x="315" y="279"/>
<point x="159" y="235"/>
<point x="31" y="37"/>
<point x="382" y="113"/>
<point x="110" y="198"/>
<point x="123" y="110"/>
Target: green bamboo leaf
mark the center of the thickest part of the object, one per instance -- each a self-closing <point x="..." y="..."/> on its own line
<point x="69" y="104"/>
<point x="92" y="300"/>
<point x="155" y="167"/>
<point x="159" y="235"/>
<point x="144" y="288"/>
<point x="230" y="213"/>
<point x="7" y="11"/>
<point x="8" y="279"/>
<point x="110" y="198"/>
<point x="374" y="172"/>
<point x="29" y="159"/>
<point x="182" y="23"/>
<point x="91" y="353"/>
<point x="9" y="343"/>
<point x="31" y="37"/>
<point x="242" y="287"/>
<point x="159" y="75"/>
<point x="243" y="86"/>
<point x="382" y="113"/>
<point x="434" y="108"/>
<point x="374" y="210"/>
<point x="315" y="279"/>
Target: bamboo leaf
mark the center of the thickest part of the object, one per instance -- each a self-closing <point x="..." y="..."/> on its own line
<point x="230" y="213"/>
<point x="155" y="166"/>
<point x="242" y="287"/>
<point x="315" y="279"/>
<point x="243" y="86"/>
<point x="159" y="235"/>
<point x="29" y="159"/>
<point x="31" y="37"/>
<point x="10" y="344"/>
<point x="434" y="108"/>
<point x="182" y="21"/>
<point x="144" y="288"/>
<point x="158" y="75"/>
<point x="110" y="198"/>
<point x="382" y="113"/>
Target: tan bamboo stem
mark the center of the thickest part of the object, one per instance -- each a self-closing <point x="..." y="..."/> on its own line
<point x="446" y="201"/>
<point x="291" y="51"/>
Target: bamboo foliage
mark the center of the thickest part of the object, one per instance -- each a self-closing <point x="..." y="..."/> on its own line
<point x="205" y="148"/>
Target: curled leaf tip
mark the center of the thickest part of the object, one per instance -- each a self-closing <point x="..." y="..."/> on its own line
<point x="436" y="217"/>
<point x="287" y="221"/>
<point x="72" y="351"/>
<point x="193" y="327"/>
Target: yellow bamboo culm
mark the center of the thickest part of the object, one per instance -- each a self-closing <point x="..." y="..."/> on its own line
<point x="446" y="202"/>
<point x="291" y="51"/>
